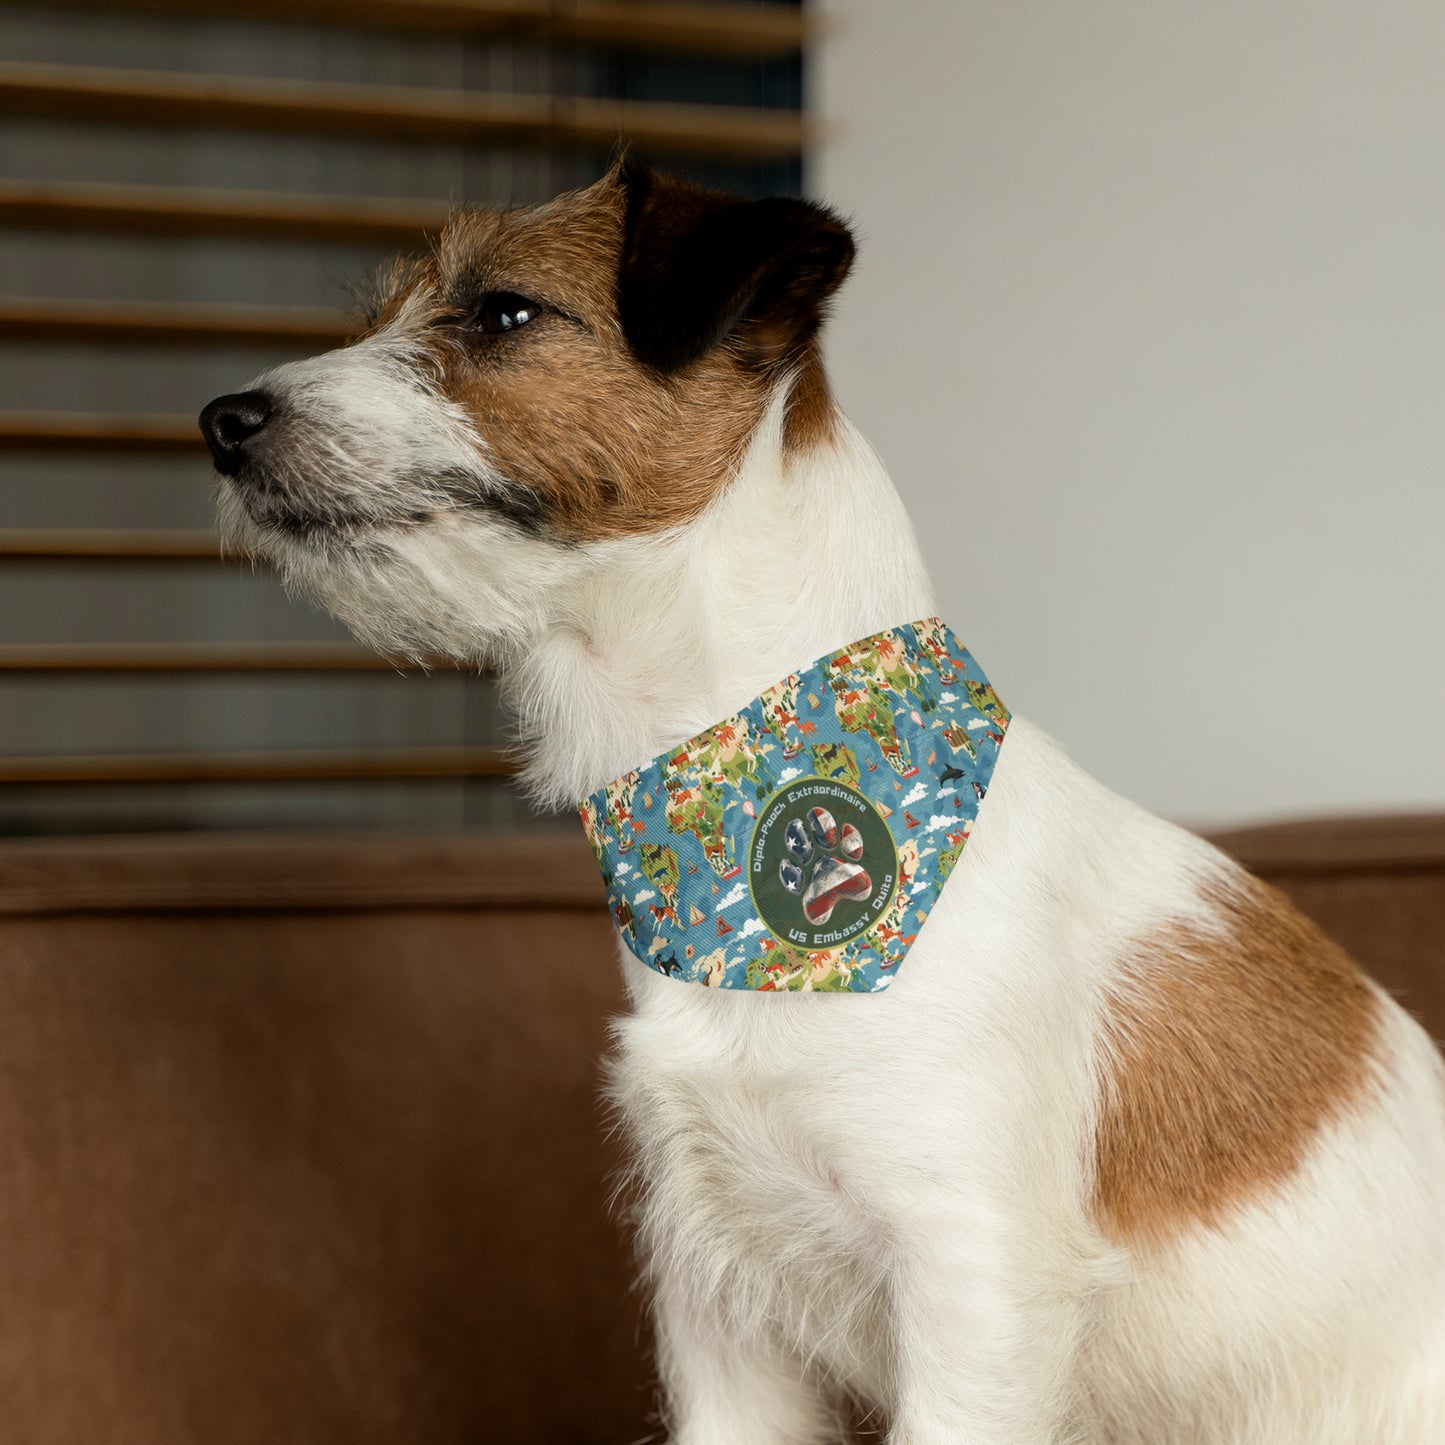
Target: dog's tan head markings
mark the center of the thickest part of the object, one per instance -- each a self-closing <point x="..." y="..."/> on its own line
<point x="587" y="369"/>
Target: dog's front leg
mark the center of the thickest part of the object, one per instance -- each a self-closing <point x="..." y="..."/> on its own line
<point x="985" y="1340"/>
<point x="722" y="1386"/>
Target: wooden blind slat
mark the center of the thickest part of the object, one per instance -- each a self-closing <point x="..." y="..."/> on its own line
<point x="132" y="657"/>
<point x="706" y="29"/>
<point x="217" y="102"/>
<point x="757" y="32"/>
<point x="259" y="767"/>
<point x="77" y="544"/>
<point x="78" y="431"/>
<point x="175" y="210"/>
<point x="170" y="323"/>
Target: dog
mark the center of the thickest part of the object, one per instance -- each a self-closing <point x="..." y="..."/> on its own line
<point x="1130" y="1154"/>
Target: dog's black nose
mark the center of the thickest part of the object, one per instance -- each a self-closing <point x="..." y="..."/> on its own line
<point x="229" y="422"/>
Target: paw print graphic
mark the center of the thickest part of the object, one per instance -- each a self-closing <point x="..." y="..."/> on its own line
<point x="823" y="864"/>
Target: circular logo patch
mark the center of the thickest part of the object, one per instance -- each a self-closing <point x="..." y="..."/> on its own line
<point x="822" y="864"/>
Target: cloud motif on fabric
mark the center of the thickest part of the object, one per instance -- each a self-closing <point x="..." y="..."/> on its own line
<point x="733" y="896"/>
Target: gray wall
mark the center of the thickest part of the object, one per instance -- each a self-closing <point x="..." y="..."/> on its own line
<point x="1149" y="324"/>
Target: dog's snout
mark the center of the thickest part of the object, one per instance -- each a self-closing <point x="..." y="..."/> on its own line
<point x="229" y="422"/>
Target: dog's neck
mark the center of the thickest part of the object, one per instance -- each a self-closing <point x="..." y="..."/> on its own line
<point x="658" y="638"/>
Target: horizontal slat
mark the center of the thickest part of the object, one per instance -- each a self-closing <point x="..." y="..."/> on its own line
<point x="259" y="767"/>
<point x="75" y="544"/>
<point x="174" y="210"/>
<point x="171" y="323"/>
<point x="218" y="102"/>
<point x="71" y="657"/>
<point x="703" y="29"/>
<point x="711" y="29"/>
<point x="84" y="431"/>
<point x="549" y="867"/>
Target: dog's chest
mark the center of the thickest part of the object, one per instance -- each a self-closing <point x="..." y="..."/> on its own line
<point x="749" y="1174"/>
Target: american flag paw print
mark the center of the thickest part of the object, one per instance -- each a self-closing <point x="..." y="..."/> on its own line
<point x="823" y="865"/>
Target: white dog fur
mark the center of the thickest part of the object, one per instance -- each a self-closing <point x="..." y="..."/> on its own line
<point x="967" y="1202"/>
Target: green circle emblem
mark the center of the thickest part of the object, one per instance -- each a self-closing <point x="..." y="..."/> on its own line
<point x="822" y="864"/>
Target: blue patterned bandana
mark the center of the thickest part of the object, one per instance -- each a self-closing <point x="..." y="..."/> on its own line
<point x="801" y="843"/>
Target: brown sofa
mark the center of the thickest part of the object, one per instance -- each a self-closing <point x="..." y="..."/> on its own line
<point x="301" y="1138"/>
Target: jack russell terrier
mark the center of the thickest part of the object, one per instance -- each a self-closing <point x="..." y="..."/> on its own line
<point x="1122" y="1149"/>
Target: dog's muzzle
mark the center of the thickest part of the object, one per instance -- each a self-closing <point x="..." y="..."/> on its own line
<point x="230" y="422"/>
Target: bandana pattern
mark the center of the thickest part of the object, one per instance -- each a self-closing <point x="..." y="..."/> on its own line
<point x="801" y="843"/>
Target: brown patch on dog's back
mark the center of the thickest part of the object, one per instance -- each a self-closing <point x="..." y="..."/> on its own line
<point x="1226" y="1053"/>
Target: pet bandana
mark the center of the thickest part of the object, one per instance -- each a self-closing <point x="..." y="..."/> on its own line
<point x="801" y="843"/>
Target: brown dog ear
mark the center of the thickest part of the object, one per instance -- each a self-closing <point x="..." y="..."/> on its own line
<point x="699" y="266"/>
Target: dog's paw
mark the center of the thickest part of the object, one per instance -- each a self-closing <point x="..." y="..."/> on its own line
<point x="823" y="864"/>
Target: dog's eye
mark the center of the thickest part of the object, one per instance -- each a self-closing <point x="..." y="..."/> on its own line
<point x="504" y="311"/>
